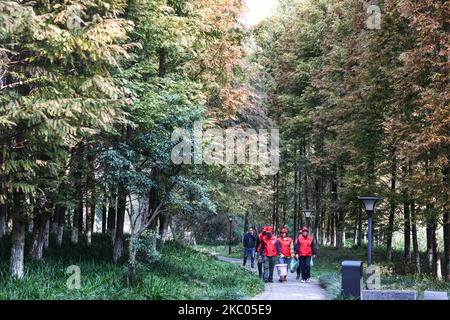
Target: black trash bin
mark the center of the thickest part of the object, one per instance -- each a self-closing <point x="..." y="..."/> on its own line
<point x="352" y="278"/>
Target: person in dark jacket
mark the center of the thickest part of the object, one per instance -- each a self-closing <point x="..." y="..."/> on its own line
<point x="304" y="249"/>
<point x="249" y="242"/>
<point x="270" y="249"/>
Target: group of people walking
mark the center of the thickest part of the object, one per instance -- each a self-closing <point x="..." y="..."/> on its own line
<point x="267" y="248"/>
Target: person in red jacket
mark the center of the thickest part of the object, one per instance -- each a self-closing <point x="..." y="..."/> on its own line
<point x="270" y="248"/>
<point x="259" y="257"/>
<point x="304" y="249"/>
<point x="285" y="246"/>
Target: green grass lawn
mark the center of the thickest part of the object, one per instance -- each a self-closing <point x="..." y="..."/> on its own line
<point x="237" y="251"/>
<point x="181" y="273"/>
<point x="395" y="275"/>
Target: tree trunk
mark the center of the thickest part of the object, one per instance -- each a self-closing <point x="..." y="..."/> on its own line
<point x="295" y="200"/>
<point x="89" y="218"/>
<point x="429" y="248"/>
<point x="38" y="235"/>
<point x="318" y="208"/>
<point x="75" y="223"/>
<point x="81" y="217"/>
<point x="275" y="202"/>
<point x="90" y="195"/>
<point x="414" y="236"/>
<point x="132" y="250"/>
<point x="153" y="202"/>
<point x="60" y="216"/>
<point x="407" y="230"/>
<point x="392" y="206"/>
<point x="18" y="235"/>
<point x="47" y="233"/>
<point x="446" y="218"/>
<point x="78" y="159"/>
<point x="162" y="62"/>
<point x="2" y="219"/>
<point x="121" y="207"/>
<point x="104" y="213"/>
<point x="446" y="231"/>
<point x="112" y="212"/>
<point x="165" y="221"/>
<point x="437" y="271"/>
<point x="360" y="228"/>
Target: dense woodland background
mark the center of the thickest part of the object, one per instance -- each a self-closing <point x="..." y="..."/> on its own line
<point x="91" y="91"/>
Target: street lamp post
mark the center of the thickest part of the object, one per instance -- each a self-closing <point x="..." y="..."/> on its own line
<point x="369" y="205"/>
<point x="308" y="213"/>
<point x="229" y="239"/>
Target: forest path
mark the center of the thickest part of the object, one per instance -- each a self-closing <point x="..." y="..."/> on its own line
<point x="292" y="289"/>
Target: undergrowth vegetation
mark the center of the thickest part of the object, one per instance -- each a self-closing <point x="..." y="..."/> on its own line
<point x="179" y="273"/>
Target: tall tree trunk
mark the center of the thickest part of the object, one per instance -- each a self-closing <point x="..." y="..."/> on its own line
<point x="60" y="214"/>
<point x="446" y="218"/>
<point x="437" y="271"/>
<point x="47" y="233"/>
<point x="318" y="208"/>
<point x="162" y="62"/>
<point x="38" y="234"/>
<point x="429" y="246"/>
<point x="112" y="213"/>
<point x="132" y="251"/>
<point x="360" y="228"/>
<point x="392" y="206"/>
<point x="18" y="235"/>
<point x="300" y="217"/>
<point x="284" y="204"/>
<point x="81" y="217"/>
<point x="90" y="195"/>
<point x="275" y="202"/>
<point x="104" y="213"/>
<point x="295" y="200"/>
<point x="121" y="207"/>
<point x="76" y="220"/>
<point x="77" y="165"/>
<point x="406" y="218"/>
<point x="165" y="221"/>
<point x="446" y="231"/>
<point x="355" y="229"/>
<point x="414" y="236"/>
<point x="336" y="210"/>
<point x="407" y="230"/>
<point x="89" y="218"/>
<point x="3" y="207"/>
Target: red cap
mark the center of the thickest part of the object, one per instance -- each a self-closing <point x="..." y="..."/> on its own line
<point x="264" y="228"/>
<point x="269" y="229"/>
<point x="305" y="229"/>
<point x="284" y="230"/>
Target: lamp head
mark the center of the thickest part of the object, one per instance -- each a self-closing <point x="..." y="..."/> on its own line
<point x="369" y="202"/>
<point x="308" y="212"/>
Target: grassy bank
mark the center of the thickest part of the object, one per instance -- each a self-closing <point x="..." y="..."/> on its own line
<point x="222" y="250"/>
<point x="395" y="275"/>
<point x="181" y="273"/>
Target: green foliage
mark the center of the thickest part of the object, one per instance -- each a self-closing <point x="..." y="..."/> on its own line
<point x="394" y="275"/>
<point x="180" y="273"/>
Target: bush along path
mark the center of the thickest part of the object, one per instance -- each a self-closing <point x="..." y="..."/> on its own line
<point x="292" y="289"/>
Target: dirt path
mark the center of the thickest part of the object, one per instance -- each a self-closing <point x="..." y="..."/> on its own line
<point x="292" y="289"/>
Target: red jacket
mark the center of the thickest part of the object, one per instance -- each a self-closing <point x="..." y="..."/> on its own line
<point x="260" y="237"/>
<point x="304" y="246"/>
<point x="270" y="247"/>
<point x="285" y="246"/>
